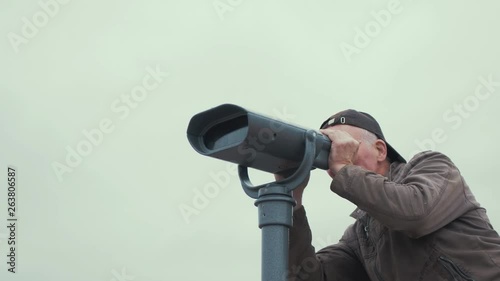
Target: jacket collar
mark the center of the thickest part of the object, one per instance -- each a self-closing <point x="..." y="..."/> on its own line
<point x="358" y="213"/>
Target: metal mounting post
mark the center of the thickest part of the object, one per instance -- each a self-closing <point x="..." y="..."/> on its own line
<point x="275" y="208"/>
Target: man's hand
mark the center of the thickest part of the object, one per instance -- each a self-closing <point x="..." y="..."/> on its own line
<point x="297" y="192"/>
<point x="343" y="151"/>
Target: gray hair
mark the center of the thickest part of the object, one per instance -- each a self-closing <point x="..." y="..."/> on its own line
<point x="369" y="137"/>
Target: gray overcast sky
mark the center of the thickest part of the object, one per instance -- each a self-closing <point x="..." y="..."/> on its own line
<point x="96" y="98"/>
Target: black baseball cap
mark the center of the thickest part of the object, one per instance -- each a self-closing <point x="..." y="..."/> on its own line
<point x="364" y="121"/>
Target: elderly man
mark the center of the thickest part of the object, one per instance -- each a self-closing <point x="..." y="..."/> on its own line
<point x="415" y="221"/>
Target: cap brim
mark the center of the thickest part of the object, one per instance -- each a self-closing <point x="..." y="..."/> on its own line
<point x="393" y="154"/>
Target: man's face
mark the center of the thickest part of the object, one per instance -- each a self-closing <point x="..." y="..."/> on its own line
<point x="367" y="156"/>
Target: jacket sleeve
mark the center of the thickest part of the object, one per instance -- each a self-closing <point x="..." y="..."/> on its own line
<point x="428" y="194"/>
<point x="333" y="263"/>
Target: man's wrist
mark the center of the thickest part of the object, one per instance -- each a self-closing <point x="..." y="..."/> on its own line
<point x="298" y="204"/>
<point x="337" y="167"/>
<point x="298" y="199"/>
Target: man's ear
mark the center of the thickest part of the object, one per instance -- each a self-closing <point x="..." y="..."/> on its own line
<point x="381" y="150"/>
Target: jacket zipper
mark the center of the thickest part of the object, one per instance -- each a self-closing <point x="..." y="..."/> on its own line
<point x="453" y="269"/>
<point x="367" y="227"/>
<point x="367" y="232"/>
<point x="379" y="277"/>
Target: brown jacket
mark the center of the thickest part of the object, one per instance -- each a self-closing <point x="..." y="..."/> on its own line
<point x="419" y="223"/>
